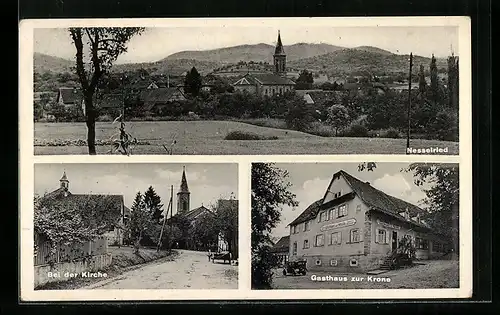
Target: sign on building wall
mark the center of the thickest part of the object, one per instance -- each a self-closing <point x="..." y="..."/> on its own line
<point x="388" y="225"/>
<point x="338" y="225"/>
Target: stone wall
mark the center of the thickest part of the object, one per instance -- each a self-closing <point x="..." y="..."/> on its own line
<point x="352" y="263"/>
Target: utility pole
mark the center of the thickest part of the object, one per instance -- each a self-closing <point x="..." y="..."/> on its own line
<point x="169" y="207"/>
<point x="409" y="105"/>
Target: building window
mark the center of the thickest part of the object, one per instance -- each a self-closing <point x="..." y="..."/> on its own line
<point x="354" y="236"/>
<point x="318" y="262"/>
<point x="381" y="236"/>
<point x="336" y="238"/>
<point x="422" y="243"/>
<point x="343" y="210"/>
<point x="333" y="262"/>
<point x="294" y="248"/>
<point x="358" y="208"/>
<point x="322" y="216"/>
<point x="306" y="226"/>
<point x="306" y="243"/>
<point x="320" y="240"/>
<point x="330" y="214"/>
<point x="353" y="262"/>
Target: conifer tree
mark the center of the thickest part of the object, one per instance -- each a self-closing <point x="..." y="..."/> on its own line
<point x="453" y="82"/>
<point x="434" y="81"/>
<point x="192" y="82"/>
<point x="153" y="205"/>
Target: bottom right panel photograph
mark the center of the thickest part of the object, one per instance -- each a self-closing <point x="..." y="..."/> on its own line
<point x="356" y="225"/>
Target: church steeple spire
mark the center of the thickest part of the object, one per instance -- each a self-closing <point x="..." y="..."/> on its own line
<point x="64" y="182"/>
<point x="183" y="196"/>
<point x="279" y="58"/>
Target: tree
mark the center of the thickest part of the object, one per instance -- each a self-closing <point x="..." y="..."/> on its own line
<point x="226" y="221"/>
<point x="422" y="84"/>
<point x="305" y="80"/>
<point x="103" y="45"/>
<point x="338" y="117"/>
<point x="434" y="81"/>
<point x="205" y="232"/>
<point x="299" y="114"/>
<point x="192" y="82"/>
<point x="270" y="192"/>
<point x="140" y="221"/>
<point x="153" y="205"/>
<point x="442" y="196"/>
<point x="453" y="87"/>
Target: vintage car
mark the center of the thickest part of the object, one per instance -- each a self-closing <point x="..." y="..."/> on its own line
<point x="224" y="256"/>
<point x="295" y="268"/>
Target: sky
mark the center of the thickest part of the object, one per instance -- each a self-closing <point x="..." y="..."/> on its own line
<point x="157" y="43"/>
<point x="207" y="182"/>
<point x="310" y="181"/>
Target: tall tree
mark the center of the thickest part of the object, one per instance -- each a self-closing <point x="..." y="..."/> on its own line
<point x="192" y="82"/>
<point x="153" y="205"/>
<point x="140" y="221"/>
<point x="96" y="50"/>
<point x="434" y="81"/>
<point x="226" y="218"/>
<point x="422" y="84"/>
<point x="305" y="80"/>
<point x="338" y="117"/>
<point x="270" y="192"/>
<point x="205" y="232"/>
<point x="453" y="82"/>
<point x="440" y="182"/>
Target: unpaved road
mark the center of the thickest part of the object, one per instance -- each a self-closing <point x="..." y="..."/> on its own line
<point x="190" y="270"/>
<point x="433" y="274"/>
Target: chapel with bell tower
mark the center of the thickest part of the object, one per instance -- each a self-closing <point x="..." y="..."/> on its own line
<point x="279" y="58"/>
<point x="183" y="196"/>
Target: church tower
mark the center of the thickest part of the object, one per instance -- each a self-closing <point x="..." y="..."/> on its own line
<point x="183" y="194"/>
<point x="279" y="58"/>
<point x="64" y="182"/>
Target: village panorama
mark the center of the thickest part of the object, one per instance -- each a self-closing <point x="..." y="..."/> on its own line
<point x="179" y="231"/>
<point x="279" y="98"/>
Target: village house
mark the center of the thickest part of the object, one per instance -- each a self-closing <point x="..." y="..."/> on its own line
<point x="63" y="197"/>
<point x="70" y="98"/>
<point x="355" y="227"/>
<point x="155" y="100"/>
<point x="270" y="83"/>
<point x="281" y="250"/>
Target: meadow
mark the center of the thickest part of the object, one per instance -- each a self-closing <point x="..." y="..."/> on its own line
<point x="207" y="138"/>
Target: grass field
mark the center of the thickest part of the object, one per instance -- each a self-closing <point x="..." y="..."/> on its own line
<point x="207" y="138"/>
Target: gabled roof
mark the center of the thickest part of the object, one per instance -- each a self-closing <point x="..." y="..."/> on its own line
<point x="63" y="198"/>
<point x="111" y="101"/>
<point x="283" y="245"/>
<point x="375" y="199"/>
<point x="194" y="213"/>
<point x="70" y="95"/>
<point x="263" y="79"/>
<point x="152" y="97"/>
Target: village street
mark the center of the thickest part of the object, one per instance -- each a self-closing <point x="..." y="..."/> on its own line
<point x="190" y="270"/>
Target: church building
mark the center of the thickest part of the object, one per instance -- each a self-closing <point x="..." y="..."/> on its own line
<point x="193" y="215"/>
<point x="271" y="83"/>
<point x="355" y="227"/>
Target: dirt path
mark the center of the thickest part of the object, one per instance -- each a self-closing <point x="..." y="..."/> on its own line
<point x="190" y="270"/>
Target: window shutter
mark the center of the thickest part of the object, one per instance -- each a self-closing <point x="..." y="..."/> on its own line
<point x="386" y="237"/>
<point x="376" y="235"/>
<point x="346" y="209"/>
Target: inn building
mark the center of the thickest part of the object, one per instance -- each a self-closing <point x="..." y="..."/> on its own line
<point x="356" y="227"/>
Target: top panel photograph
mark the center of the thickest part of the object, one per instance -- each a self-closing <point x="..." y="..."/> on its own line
<point x="247" y="87"/>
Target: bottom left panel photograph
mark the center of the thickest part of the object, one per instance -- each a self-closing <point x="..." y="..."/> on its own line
<point x="135" y="226"/>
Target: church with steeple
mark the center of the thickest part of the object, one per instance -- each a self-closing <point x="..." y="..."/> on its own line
<point x="270" y="83"/>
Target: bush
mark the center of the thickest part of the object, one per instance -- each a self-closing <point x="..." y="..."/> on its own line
<point x="241" y="135"/>
<point x="356" y="130"/>
<point x="445" y="126"/>
<point x="392" y="133"/>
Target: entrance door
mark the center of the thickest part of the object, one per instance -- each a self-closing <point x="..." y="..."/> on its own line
<point x="394" y="243"/>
